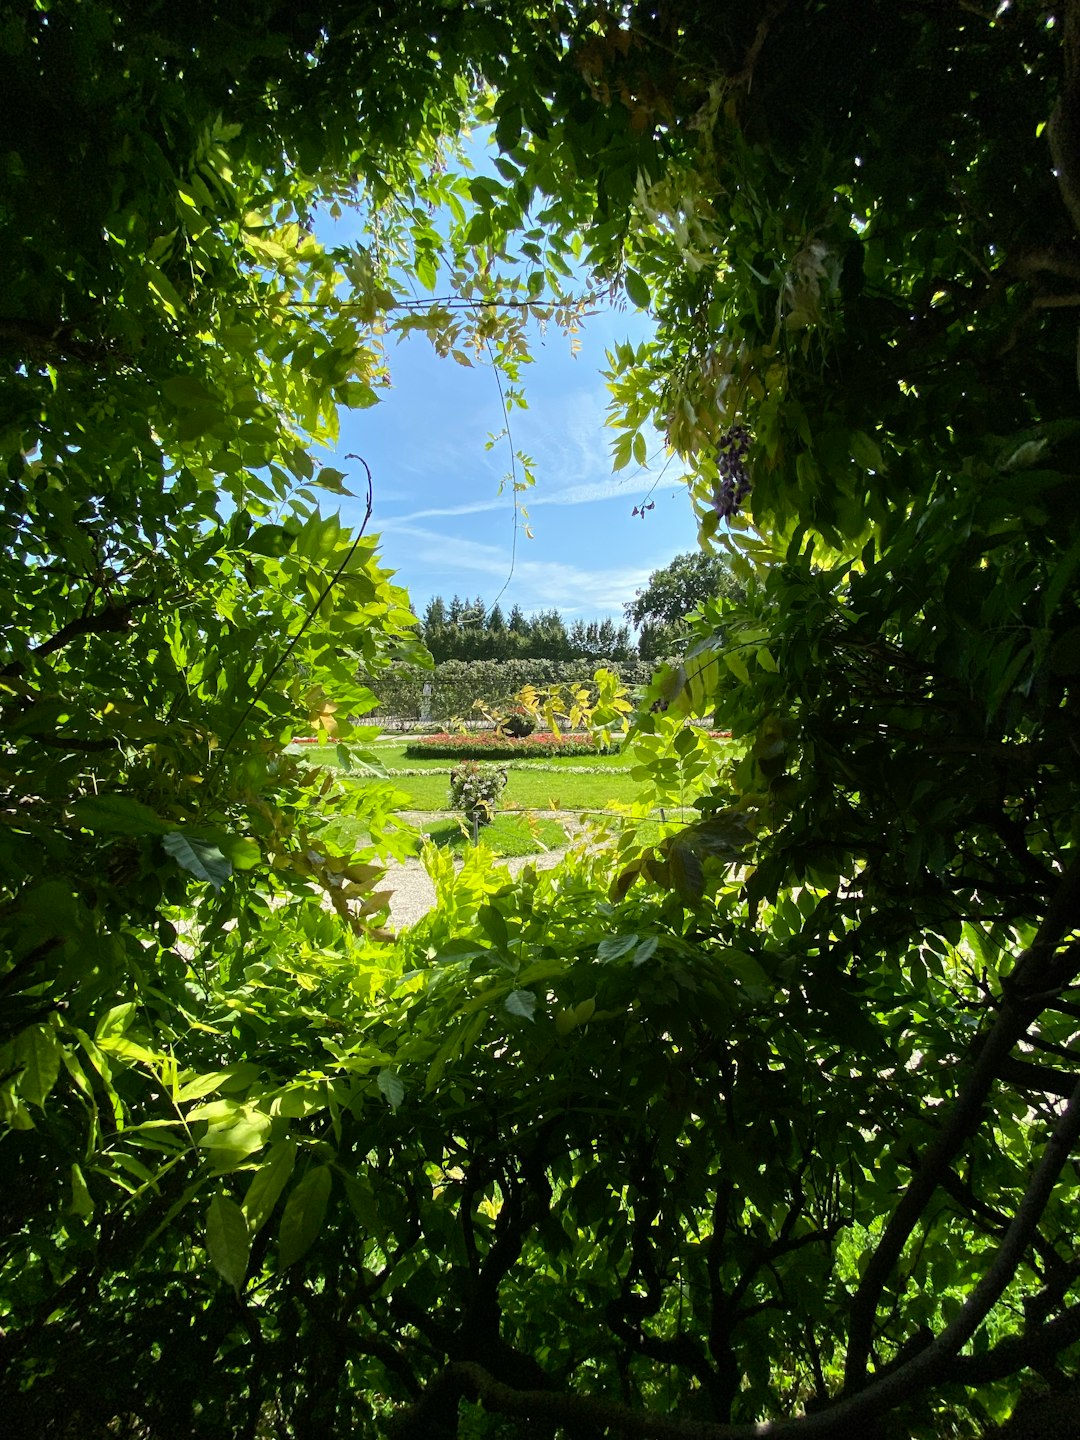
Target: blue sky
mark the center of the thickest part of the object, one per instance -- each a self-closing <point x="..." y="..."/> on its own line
<point x="445" y="529"/>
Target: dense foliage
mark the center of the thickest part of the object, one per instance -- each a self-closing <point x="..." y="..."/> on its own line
<point x="770" y="1120"/>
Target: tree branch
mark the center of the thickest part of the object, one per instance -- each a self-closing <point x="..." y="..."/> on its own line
<point x="1035" y="980"/>
<point x="928" y="1366"/>
<point x="1035" y="1349"/>
<point x="111" y="618"/>
<point x="39" y="342"/>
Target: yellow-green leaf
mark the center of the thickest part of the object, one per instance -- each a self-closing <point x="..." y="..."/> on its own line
<point x="227" y="1240"/>
<point x="269" y="1181"/>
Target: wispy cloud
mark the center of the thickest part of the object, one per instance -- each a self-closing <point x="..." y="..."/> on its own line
<point x="577" y="444"/>
<point x="612" y="488"/>
<point x="537" y="584"/>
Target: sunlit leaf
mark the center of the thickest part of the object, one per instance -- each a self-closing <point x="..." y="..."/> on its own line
<point x="227" y="1240"/>
<point x="521" y="1003"/>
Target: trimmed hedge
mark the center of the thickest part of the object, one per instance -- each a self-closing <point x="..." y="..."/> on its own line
<point x="456" y="684"/>
<point x="488" y="745"/>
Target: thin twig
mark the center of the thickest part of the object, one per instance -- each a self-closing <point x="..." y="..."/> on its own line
<point x="513" y="476"/>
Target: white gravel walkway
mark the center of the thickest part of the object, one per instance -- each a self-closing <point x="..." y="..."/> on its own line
<point x="413" y="894"/>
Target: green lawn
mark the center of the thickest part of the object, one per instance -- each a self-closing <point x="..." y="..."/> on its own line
<point x="392" y="755"/>
<point x="525" y="791"/>
<point x="507" y="835"/>
<point x="571" y="784"/>
<point x="555" y="786"/>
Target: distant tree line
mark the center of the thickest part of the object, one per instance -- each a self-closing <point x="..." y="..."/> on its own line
<point x="468" y="630"/>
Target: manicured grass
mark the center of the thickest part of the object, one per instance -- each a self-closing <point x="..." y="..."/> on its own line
<point x="507" y="835"/>
<point x="556" y="786"/>
<point x="391" y="754"/>
<point x="526" y="791"/>
<point x="559" y="783"/>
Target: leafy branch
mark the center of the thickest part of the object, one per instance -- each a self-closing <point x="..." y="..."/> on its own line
<point x="313" y="611"/>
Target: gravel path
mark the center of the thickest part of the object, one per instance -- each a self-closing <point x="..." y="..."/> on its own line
<point x="413" y="894"/>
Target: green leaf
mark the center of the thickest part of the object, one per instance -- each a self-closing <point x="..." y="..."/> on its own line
<point x="356" y="395"/>
<point x="227" y="1240"/>
<point x="302" y="1219"/>
<point x="865" y="452"/>
<point x="229" y="1144"/>
<point x="493" y="924"/>
<point x="391" y="1087"/>
<point x="737" y="665"/>
<point x="81" y="1202"/>
<point x="270" y="540"/>
<point x="203" y="859"/>
<point x="521" y="1003"/>
<point x="687" y="872"/>
<point x="118" y="815"/>
<point x="327" y="478"/>
<point x="37" y="1051"/>
<point x="115" y="1022"/>
<point x="269" y="1181"/>
<point x="747" y="969"/>
<point x="202" y="1085"/>
<point x="637" y="289"/>
<point x="646" y="950"/>
<point x="615" y="947"/>
<point x="189" y="393"/>
<point x="240" y="853"/>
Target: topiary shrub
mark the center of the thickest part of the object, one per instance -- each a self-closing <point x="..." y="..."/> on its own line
<point x="517" y="725"/>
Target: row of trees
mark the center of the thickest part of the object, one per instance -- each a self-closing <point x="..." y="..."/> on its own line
<point x="761" y="1125"/>
<point x="469" y="630"/>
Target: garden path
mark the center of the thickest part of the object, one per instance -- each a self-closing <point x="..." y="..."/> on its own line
<point x="413" y="894"/>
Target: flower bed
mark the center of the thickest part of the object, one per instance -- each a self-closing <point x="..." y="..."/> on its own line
<point x="487" y="745"/>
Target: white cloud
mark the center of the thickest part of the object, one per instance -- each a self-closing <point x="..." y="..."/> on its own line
<point x="537" y="584"/>
<point x="577" y="443"/>
<point x="610" y="489"/>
